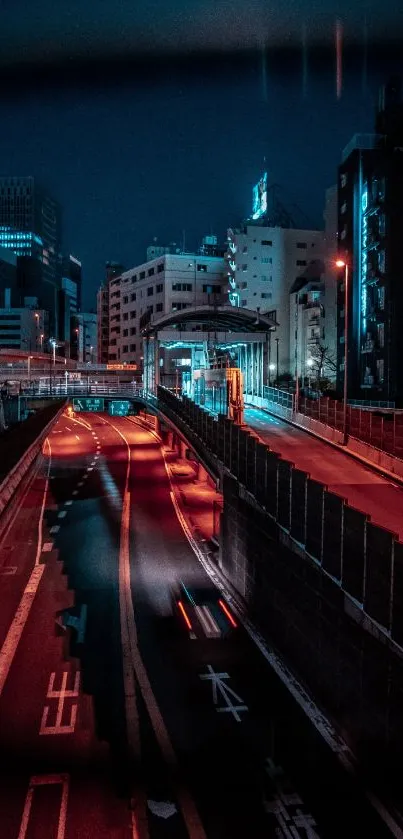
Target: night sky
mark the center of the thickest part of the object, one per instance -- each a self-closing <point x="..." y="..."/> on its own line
<point x="136" y="153"/>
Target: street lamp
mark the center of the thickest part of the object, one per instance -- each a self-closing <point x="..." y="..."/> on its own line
<point x="272" y="368"/>
<point x="341" y="263"/>
<point x="277" y="342"/>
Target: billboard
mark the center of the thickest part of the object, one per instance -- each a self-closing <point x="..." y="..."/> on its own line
<point x="260" y="197"/>
<point x="88" y="404"/>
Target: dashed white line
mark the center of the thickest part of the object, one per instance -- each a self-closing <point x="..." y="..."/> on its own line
<point x="62" y="515"/>
<point x="90" y="469"/>
<point x="47" y="547"/>
<point x="55" y="528"/>
<point x="68" y="503"/>
<point x="75" y="492"/>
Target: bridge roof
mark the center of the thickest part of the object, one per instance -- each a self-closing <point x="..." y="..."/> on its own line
<point x="225" y="318"/>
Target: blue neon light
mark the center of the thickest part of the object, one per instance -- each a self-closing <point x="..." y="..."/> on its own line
<point x="364" y="261"/>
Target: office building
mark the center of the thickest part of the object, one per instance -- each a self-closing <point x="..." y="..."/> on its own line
<point x="170" y="282"/>
<point x="22" y="328"/>
<point x="112" y="270"/>
<point x="87" y="336"/>
<point x="262" y="264"/>
<point x="370" y="223"/>
<point x="8" y="278"/>
<point x="30" y="226"/>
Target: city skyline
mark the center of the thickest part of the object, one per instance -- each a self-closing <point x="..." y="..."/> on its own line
<point x="122" y="181"/>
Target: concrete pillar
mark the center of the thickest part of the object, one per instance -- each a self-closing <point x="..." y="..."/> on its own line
<point x="170" y="440"/>
<point x="182" y="450"/>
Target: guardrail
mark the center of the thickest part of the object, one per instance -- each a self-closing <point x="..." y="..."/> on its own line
<point x="126" y="389"/>
<point x="23" y="445"/>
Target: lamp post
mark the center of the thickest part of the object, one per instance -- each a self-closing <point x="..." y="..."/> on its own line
<point x="341" y="263"/>
<point x="272" y="367"/>
<point x="277" y="368"/>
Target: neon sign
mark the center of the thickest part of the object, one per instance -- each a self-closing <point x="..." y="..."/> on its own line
<point x="364" y="260"/>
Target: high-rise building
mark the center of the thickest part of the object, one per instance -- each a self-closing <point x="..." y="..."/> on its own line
<point x="30" y="226"/>
<point x="112" y="269"/>
<point x="262" y="264"/>
<point x="8" y="278"/>
<point x="370" y="223"/>
<point x="87" y="337"/>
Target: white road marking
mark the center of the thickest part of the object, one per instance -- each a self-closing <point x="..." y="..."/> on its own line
<point x="219" y="684"/>
<point x="67" y="428"/>
<point x="55" y="528"/>
<point x="84" y="479"/>
<point x="133" y="663"/>
<point x="80" y="483"/>
<point x="75" y="492"/>
<point x="62" y="514"/>
<point x="42" y="780"/>
<point x="61" y="695"/>
<point x="20" y="618"/>
<point x="68" y="503"/>
<point x="90" y="469"/>
<point x="47" y="547"/>
<point x="8" y="571"/>
<point x="93" y="463"/>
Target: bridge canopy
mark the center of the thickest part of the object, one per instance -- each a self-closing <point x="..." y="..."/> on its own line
<point x="212" y="318"/>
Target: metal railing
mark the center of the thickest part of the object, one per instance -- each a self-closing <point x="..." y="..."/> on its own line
<point x="126" y="389"/>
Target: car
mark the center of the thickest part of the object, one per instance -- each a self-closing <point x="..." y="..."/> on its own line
<point x="202" y="611"/>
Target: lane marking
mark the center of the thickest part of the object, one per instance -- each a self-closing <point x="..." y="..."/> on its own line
<point x="80" y="483"/>
<point x="75" y="492"/>
<point x="77" y="436"/>
<point x="61" y="695"/>
<point x="90" y="469"/>
<point x="47" y="547"/>
<point x="68" y="503"/>
<point x="129" y="636"/>
<point x="8" y="570"/>
<point x="219" y="685"/>
<point x="55" y="528"/>
<point x="48" y="780"/>
<point x="20" y="618"/>
<point x="319" y="721"/>
<point x="62" y="514"/>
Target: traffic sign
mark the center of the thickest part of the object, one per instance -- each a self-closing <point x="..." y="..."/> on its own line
<point x="88" y="404"/>
<point x="119" y="408"/>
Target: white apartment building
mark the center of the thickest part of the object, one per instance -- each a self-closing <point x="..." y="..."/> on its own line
<point x="262" y="264"/>
<point x="170" y="282"/>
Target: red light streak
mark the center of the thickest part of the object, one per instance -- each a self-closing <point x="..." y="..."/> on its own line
<point x="182" y="608"/>
<point x="227" y="612"/>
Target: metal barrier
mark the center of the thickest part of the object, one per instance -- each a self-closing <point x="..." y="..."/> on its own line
<point x="340" y="539"/>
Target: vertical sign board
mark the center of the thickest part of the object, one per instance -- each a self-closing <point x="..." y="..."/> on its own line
<point x="332" y="533"/>
<point x="118" y="408"/>
<point x="298" y="505"/>
<point x="314" y="518"/>
<point x="378" y="574"/>
<point x="353" y="552"/>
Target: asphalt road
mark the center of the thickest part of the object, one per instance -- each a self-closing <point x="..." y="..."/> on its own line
<point x="114" y="722"/>
<point x="363" y="488"/>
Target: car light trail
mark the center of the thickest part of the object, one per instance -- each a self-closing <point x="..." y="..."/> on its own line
<point x="182" y="608"/>
<point x="227" y="612"/>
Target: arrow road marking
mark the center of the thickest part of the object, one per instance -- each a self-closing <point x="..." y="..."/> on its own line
<point x="46" y="780"/>
<point x="219" y="685"/>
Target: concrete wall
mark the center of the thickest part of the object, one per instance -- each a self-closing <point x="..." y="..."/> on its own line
<point x="308" y="618"/>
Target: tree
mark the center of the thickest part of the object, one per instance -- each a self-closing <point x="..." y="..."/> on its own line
<point x="324" y="364"/>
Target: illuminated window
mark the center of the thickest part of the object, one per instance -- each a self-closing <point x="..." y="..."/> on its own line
<point x="381" y="334"/>
<point x="381" y="261"/>
<point x="343" y="180"/>
<point x="202" y="267"/>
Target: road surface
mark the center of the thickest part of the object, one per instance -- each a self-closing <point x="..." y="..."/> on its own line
<point x="362" y="487"/>
<point x="115" y="722"/>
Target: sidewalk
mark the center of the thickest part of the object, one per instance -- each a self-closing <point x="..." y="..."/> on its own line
<point x="200" y="503"/>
